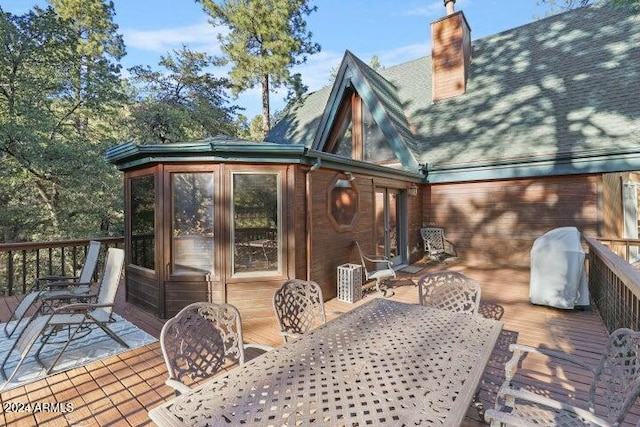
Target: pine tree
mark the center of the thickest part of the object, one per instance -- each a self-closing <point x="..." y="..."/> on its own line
<point x="266" y="39"/>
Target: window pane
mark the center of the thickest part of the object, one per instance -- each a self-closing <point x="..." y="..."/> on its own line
<point x="256" y="223"/>
<point x="376" y="147"/>
<point x="192" y="222"/>
<point x="142" y="221"/>
<point x="344" y="142"/>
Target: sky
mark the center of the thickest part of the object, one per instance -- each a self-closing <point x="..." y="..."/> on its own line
<point x="395" y="30"/>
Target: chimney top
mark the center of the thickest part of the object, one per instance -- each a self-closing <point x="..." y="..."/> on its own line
<point x="450" y="5"/>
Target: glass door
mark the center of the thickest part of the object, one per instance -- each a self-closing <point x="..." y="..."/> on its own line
<point x="390" y="208"/>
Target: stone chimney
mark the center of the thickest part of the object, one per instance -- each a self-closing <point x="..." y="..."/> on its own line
<point x="450" y="53"/>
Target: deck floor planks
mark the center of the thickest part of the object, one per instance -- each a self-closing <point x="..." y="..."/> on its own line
<point x="122" y="388"/>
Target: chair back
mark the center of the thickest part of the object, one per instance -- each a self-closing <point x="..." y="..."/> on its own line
<point x="299" y="307"/>
<point x="200" y="339"/>
<point x="617" y="376"/>
<point x="449" y="290"/>
<point x="433" y="238"/>
<point x="363" y="260"/>
<point x="111" y="277"/>
<point x="90" y="262"/>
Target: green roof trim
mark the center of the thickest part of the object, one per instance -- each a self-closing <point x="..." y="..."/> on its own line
<point x="130" y="155"/>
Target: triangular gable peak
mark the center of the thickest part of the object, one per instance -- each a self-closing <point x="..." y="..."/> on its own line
<point x="357" y="123"/>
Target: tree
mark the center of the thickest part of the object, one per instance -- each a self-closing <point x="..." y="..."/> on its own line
<point x="183" y="103"/>
<point x="266" y="39"/>
<point x="571" y="4"/>
<point x="55" y="182"/>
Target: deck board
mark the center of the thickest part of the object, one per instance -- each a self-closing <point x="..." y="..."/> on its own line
<point x="123" y="388"/>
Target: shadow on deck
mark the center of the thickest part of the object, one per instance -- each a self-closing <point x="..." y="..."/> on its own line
<point x="122" y="389"/>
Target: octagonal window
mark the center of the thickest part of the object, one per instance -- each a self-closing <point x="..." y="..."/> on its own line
<point x="343" y="203"/>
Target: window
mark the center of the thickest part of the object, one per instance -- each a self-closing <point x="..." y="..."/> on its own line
<point x="143" y="221"/>
<point x="376" y="147"/>
<point x="343" y="203"/>
<point x="256" y="223"/>
<point x="356" y="135"/>
<point x="192" y="222"/>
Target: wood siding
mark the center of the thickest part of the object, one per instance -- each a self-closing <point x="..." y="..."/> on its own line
<point x="496" y="222"/>
<point x="333" y="246"/>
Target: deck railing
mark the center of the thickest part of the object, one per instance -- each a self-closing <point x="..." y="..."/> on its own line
<point x="21" y="263"/>
<point x="614" y="285"/>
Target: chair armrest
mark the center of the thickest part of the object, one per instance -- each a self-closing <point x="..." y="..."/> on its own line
<point x="510" y="394"/>
<point x="59" y="285"/>
<point x="80" y="307"/>
<point x="54" y="278"/>
<point x="519" y="350"/>
<point x="177" y="386"/>
<point x="68" y="297"/>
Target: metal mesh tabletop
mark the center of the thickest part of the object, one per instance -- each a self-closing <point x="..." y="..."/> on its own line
<point x="384" y="362"/>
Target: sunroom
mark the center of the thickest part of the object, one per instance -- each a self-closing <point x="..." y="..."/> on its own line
<point x="228" y="220"/>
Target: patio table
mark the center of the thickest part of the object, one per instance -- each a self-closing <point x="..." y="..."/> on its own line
<point x="385" y="362"/>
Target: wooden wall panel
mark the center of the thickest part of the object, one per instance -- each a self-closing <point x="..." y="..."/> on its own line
<point x="612" y="214"/>
<point x="142" y="289"/>
<point x="496" y="222"/>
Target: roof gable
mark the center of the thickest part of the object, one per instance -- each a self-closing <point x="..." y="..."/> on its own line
<point x="379" y="97"/>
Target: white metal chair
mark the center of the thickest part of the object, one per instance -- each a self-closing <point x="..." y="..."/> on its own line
<point x="377" y="268"/>
<point x="48" y="287"/>
<point x="75" y="318"/>
<point x="614" y="388"/>
<point x="200" y="340"/>
<point x="299" y="307"/>
<point x="449" y="290"/>
<point x="436" y="244"/>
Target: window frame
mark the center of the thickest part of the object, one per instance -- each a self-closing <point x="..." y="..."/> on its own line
<point x="279" y="272"/>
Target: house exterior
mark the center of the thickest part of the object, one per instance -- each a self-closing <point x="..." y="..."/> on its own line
<point x="497" y="140"/>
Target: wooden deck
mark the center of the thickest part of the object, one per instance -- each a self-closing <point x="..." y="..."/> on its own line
<point x="121" y="390"/>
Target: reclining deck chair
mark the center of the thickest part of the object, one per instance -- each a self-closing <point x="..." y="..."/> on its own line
<point x="71" y="317"/>
<point x="48" y="287"/>
<point x="436" y="244"/>
<point x="200" y="340"/>
<point x="377" y="268"/>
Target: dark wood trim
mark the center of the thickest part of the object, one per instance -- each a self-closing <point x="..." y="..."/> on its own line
<point x="357" y="127"/>
<point x="338" y="124"/>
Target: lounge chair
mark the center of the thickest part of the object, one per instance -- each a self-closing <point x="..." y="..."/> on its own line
<point x="48" y="287"/>
<point x="71" y="319"/>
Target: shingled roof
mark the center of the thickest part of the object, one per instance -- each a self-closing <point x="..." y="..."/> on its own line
<point x="557" y="96"/>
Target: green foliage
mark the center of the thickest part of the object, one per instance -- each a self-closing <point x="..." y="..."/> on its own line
<point x="266" y="39"/>
<point x="184" y="103"/>
<point x="57" y="103"/>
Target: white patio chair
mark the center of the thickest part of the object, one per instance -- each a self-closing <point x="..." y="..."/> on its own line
<point x="615" y="385"/>
<point x="200" y="340"/>
<point x="377" y="268"/>
<point x="449" y="290"/>
<point x="436" y="244"/>
<point x="48" y="287"/>
<point x="299" y="307"/>
<point x="72" y="318"/>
